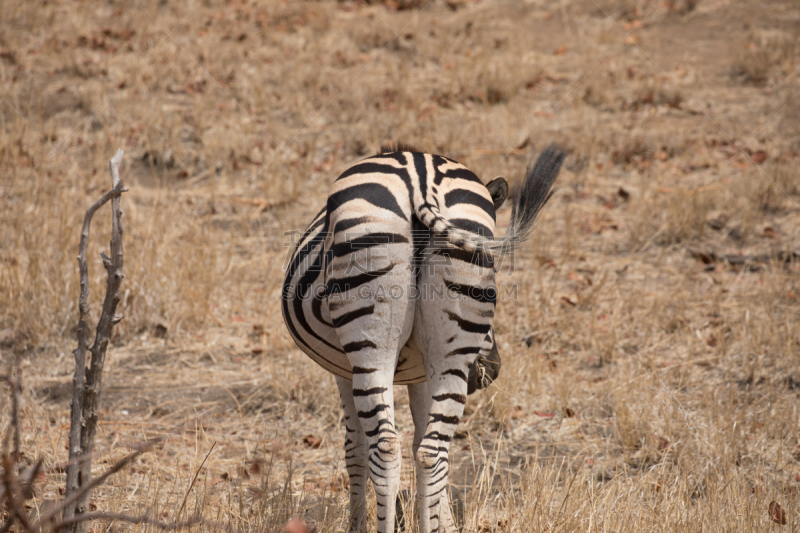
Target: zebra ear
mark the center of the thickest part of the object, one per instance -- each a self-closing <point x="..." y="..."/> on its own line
<point x="498" y="188"/>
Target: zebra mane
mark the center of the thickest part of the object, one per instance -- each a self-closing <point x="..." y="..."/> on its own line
<point x="391" y="146"/>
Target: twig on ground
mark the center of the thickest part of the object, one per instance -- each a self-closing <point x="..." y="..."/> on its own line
<point x="749" y="262"/>
<point x="261" y="203"/>
<point x="143" y="519"/>
<point x="197" y="473"/>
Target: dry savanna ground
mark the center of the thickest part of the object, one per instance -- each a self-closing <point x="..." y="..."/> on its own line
<point x="650" y="334"/>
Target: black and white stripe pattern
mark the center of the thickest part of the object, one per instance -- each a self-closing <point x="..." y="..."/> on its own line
<point x="393" y="283"/>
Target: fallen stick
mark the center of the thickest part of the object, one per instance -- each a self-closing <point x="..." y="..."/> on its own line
<point x="688" y="192"/>
<point x="261" y="203"/>
<point x="750" y="262"/>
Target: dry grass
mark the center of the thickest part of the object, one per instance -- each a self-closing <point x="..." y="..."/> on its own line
<point x="641" y="389"/>
<point x="768" y="51"/>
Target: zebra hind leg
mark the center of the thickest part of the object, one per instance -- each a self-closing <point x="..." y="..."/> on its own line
<point x="368" y="298"/>
<point x="420" y="401"/>
<point x="373" y="402"/>
<point x="454" y="331"/>
<point x="449" y="395"/>
<point x="355" y="457"/>
<point x="371" y="398"/>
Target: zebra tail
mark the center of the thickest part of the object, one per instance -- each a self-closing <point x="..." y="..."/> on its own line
<point x="528" y="202"/>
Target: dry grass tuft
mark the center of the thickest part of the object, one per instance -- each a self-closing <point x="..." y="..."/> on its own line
<point x="767" y="51"/>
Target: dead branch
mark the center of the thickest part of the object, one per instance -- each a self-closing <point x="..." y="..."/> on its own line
<point x="13" y="427"/>
<point x="17" y="488"/>
<point x="84" y="490"/>
<point x="87" y="382"/>
<point x="16" y="399"/>
<point x="15" y="502"/>
<point x="143" y="519"/>
<point x="17" y="480"/>
<point x="689" y="192"/>
<point x="262" y="204"/>
<point x="749" y="262"/>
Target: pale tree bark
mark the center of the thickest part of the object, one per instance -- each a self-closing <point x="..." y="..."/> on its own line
<point x="86" y="383"/>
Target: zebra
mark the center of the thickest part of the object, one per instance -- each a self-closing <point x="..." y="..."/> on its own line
<point x="359" y="298"/>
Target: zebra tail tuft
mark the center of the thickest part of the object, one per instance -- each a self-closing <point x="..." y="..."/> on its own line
<point x="529" y="199"/>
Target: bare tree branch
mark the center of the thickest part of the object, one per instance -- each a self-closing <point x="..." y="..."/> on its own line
<point x="87" y="382"/>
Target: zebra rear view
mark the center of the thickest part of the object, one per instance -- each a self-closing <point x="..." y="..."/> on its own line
<point x="394" y="283"/>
